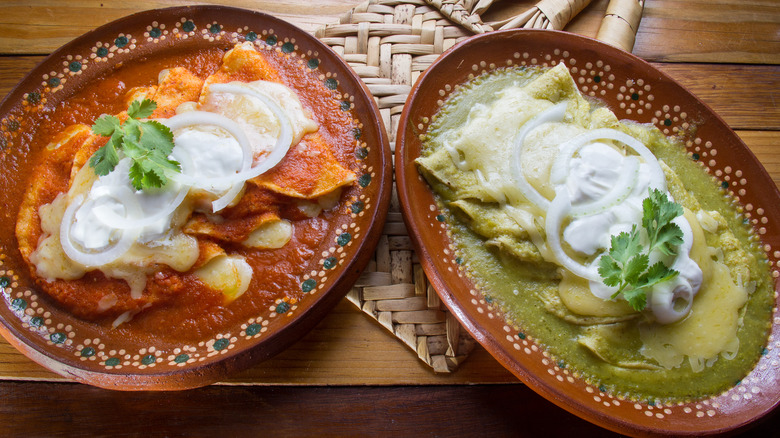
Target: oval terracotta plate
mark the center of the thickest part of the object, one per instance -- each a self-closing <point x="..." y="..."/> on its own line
<point x="634" y="90"/>
<point x="33" y="323"/>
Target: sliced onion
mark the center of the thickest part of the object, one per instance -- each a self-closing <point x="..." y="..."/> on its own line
<point x="619" y="192"/>
<point x="552" y="114"/>
<point x="281" y="147"/>
<point x="283" y="142"/>
<point x="100" y="256"/>
<point x="561" y="164"/>
<point x="558" y="210"/>
<point x="108" y="217"/>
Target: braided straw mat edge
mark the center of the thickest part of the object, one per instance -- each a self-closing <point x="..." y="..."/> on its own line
<point x="388" y="43"/>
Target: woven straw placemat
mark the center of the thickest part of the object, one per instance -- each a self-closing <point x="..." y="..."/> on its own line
<point x="389" y="43"/>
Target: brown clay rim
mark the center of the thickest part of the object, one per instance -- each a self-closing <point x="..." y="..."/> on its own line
<point x="635" y="418"/>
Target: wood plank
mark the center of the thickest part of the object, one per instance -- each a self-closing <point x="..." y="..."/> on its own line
<point x="728" y="31"/>
<point x="766" y="146"/>
<point x="745" y="96"/>
<point x="46" y="409"/>
<point x="40" y="26"/>
<point x="733" y="31"/>
<point x="59" y="409"/>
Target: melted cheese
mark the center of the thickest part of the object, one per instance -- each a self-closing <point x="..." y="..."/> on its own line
<point x="229" y="274"/>
<point x="273" y="234"/>
<point x="711" y="327"/>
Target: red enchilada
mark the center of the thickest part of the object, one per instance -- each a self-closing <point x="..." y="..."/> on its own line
<point x="230" y="247"/>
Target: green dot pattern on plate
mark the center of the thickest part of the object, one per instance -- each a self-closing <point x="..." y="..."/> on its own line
<point x="181" y="358"/>
<point x="331" y="83"/>
<point x="215" y="28"/>
<point x="88" y="352"/>
<point x="122" y="41"/>
<point x="188" y="26"/>
<point x="282" y="307"/>
<point x="357" y="207"/>
<point x="5" y="281"/>
<point x="440" y="217"/>
<point x="74" y="66"/>
<point x="155" y="32"/>
<point x="364" y="180"/>
<point x="36" y="321"/>
<point x="313" y="63"/>
<point x="361" y="153"/>
<point x="343" y="239"/>
<point x="221" y="344"/>
<point x="112" y="361"/>
<point x="148" y="359"/>
<point x="54" y="82"/>
<point x="330" y="263"/>
<point x="19" y="304"/>
<point x="13" y="125"/>
<point x="251" y="36"/>
<point x="34" y="97"/>
<point x="288" y="47"/>
<point x="102" y="52"/>
<point x="271" y="40"/>
<point x="253" y="329"/>
<point x="308" y="285"/>
<point x="345" y="105"/>
<point x="58" y="338"/>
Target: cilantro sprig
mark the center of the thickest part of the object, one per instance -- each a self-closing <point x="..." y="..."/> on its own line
<point x="148" y="143"/>
<point x="627" y="263"/>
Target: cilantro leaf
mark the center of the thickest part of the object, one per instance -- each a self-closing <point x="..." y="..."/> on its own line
<point x="147" y="143"/>
<point x="626" y="265"/>
<point x="105" y="125"/>
<point x="637" y="298"/>
<point x="105" y="159"/>
<point x="658" y="212"/>
<point x="141" y="109"/>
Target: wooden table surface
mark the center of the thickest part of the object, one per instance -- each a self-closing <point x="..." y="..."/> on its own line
<point x="350" y="377"/>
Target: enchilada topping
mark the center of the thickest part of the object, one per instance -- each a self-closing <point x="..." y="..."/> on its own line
<point x="184" y="196"/>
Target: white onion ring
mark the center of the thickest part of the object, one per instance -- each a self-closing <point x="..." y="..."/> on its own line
<point x="552" y="114"/>
<point x="102" y="256"/>
<point x="619" y="192"/>
<point x="558" y="210"/>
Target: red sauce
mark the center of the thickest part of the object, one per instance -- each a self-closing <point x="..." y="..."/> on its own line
<point x="187" y="309"/>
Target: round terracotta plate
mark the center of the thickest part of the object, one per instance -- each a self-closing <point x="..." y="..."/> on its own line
<point x="635" y="90"/>
<point x="79" y="349"/>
